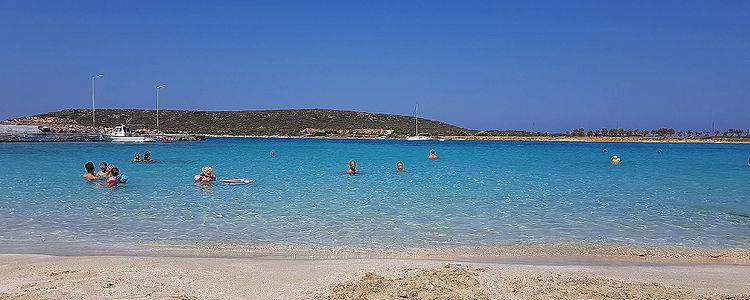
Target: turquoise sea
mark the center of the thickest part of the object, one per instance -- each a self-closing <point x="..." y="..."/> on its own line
<point x="477" y="193"/>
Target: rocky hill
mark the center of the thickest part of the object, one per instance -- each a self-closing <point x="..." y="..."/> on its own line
<point x="293" y="122"/>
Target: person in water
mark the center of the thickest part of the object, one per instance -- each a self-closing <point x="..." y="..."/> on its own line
<point x="109" y="171"/>
<point x="113" y="179"/>
<point x="147" y="157"/>
<point x="400" y="167"/>
<point x="273" y="154"/>
<point x="614" y="160"/>
<point x="137" y="158"/>
<point x="748" y="162"/>
<point x="90" y="169"/>
<point x="352" y="168"/>
<point x="103" y="171"/>
<point x="432" y="155"/>
<point x="206" y="176"/>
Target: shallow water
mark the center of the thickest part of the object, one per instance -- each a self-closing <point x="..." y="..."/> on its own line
<point x="477" y="193"/>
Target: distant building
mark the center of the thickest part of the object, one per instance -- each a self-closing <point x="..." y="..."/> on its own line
<point x="19" y="129"/>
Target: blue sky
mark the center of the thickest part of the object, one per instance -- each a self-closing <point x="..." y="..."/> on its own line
<point x="532" y="65"/>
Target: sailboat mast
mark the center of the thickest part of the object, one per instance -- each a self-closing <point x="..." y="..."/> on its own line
<point x="416" y="120"/>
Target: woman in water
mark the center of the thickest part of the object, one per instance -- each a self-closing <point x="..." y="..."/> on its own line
<point x="103" y="171"/>
<point x="206" y="176"/>
<point x="137" y="158"/>
<point x="90" y="172"/>
<point x="147" y="157"/>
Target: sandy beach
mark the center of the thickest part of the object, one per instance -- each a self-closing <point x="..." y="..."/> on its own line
<point x="212" y="272"/>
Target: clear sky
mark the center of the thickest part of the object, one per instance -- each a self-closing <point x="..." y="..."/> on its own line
<point x="532" y="65"/>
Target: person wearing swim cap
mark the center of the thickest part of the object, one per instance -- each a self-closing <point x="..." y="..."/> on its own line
<point x="137" y="158"/>
<point x="103" y="172"/>
<point x="400" y="167"/>
<point x="432" y="155"/>
<point x="90" y="169"/>
<point x="352" y="168"/>
<point x="614" y="160"/>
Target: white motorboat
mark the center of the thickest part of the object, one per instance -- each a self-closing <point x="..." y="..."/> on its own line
<point x="417" y="136"/>
<point x="122" y="134"/>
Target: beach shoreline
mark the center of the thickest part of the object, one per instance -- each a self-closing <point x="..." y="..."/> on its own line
<point x="34" y="276"/>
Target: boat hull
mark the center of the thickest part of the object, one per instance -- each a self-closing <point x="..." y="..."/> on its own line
<point x="129" y="139"/>
<point x="419" y="138"/>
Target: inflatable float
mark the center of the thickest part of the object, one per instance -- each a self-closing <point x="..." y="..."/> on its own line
<point x="236" y="180"/>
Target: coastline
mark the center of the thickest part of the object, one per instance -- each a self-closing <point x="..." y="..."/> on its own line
<point x="590" y="139"/>
<point x="529" y="271"/>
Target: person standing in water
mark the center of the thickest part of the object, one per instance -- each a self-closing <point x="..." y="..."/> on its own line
<point x="432" y="155"/>
<point x="137" y="158"/>
<point x="90" y="169"/>
<point x="400" y="167"/>
<point x="207" y="176"/>
<point x="113" y="180"/>
<point x="352" y="168"/>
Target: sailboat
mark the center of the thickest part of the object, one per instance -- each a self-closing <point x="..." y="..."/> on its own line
<point x="417" y="136"/>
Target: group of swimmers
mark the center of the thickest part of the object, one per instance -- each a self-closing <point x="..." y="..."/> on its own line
<point x="146" y="157"/>
<point x="109" y="173"/>
<point x="112" y="175"/>
<point x="399" y="165"/>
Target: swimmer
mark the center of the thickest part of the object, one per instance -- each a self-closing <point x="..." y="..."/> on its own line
<point x="112" y="180"/>
<point x="147" y="157"/>
<point x="748" y="162"/>
<point x="90" y="169"/>
<point x="352" y="168"/>
<point x="103" y="172"/>
<point x="605" y="150"/>
<point x="659" y="151"/>
<point x="432" y="155"/>
<point x="273" y="154"/>
<point x="137" y="158"/>
<point x="400" y="167"/>
<point x="614" y="160"/>
<point x="206" y="176"/>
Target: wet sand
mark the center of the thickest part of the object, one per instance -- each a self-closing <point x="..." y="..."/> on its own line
<point x="519" y="276"/>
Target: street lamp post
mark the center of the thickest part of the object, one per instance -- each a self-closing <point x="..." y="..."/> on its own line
<point x="157" y="105"/>
<point x="93" y="115"/>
